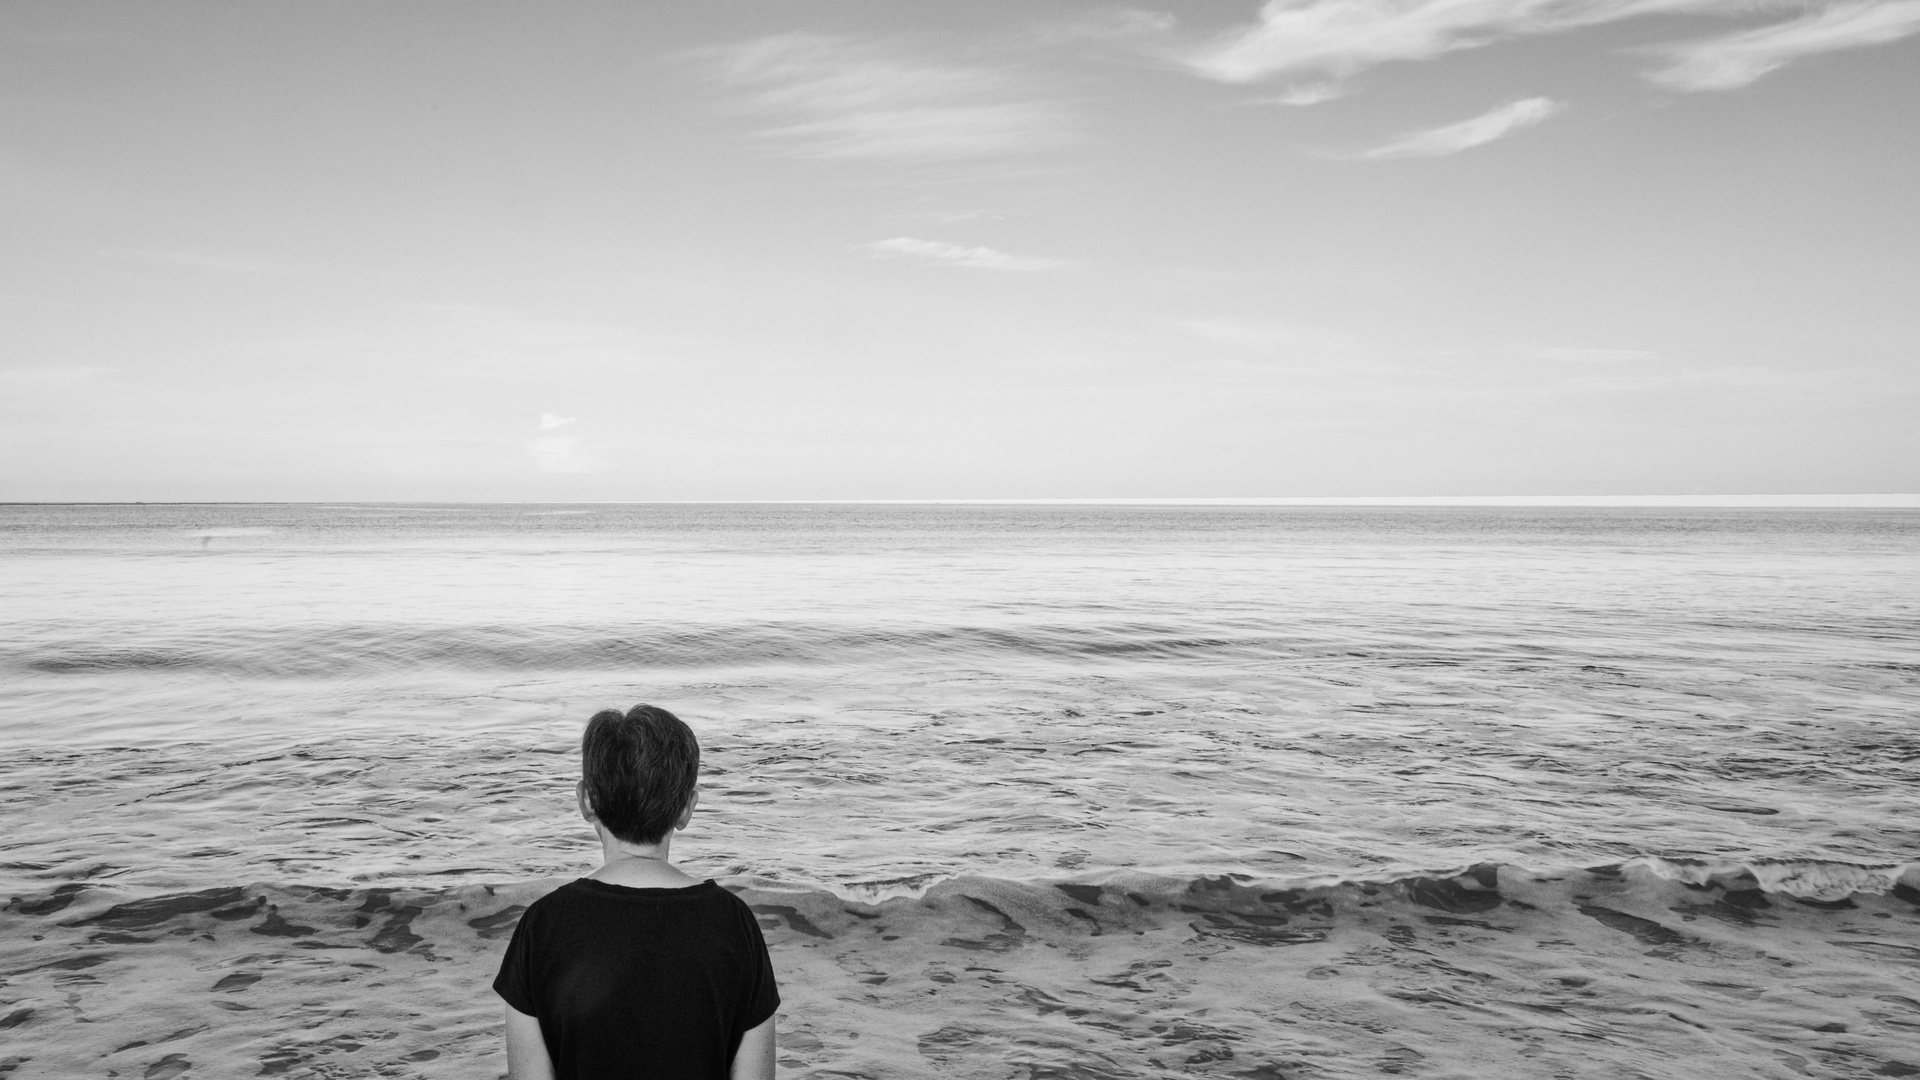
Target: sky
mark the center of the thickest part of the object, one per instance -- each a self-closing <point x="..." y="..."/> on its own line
<point x="828" y="249"/>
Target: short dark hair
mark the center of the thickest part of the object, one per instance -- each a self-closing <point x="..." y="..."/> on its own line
<point x="640" y="769"/>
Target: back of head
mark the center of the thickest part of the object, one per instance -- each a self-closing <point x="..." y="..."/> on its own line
<point x="640" y="770"/>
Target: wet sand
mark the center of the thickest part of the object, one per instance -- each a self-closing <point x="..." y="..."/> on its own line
<point x="1497" y="972"/>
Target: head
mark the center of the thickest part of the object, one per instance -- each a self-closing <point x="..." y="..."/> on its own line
<point x="638" y="772"/>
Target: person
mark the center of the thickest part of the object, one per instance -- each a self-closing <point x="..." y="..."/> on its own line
<point x="638" y="970"/>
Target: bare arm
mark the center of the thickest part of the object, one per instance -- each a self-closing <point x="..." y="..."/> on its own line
<point x="527" y="1049"/>
<point x="754" y="1059"/>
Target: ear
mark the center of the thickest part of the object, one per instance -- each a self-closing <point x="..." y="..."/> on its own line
<point x="687" y="815"/>
<point x="586" y="810"/>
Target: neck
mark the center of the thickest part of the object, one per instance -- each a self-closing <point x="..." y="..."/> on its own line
<point x="615" y="850"/>
<point x="624" y="863"/>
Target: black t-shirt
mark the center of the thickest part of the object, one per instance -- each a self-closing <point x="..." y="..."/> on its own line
<point x="635" y="983"/>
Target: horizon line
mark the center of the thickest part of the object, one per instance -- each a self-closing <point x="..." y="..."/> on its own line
<point x="1863" y="501"/>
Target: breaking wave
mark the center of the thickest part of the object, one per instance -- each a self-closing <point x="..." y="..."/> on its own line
<point x="1237" y="906"/>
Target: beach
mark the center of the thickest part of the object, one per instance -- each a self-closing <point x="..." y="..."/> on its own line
<point x="1016" y="791"/>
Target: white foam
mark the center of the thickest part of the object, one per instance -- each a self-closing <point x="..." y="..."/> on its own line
<point x="1805" y="878"/>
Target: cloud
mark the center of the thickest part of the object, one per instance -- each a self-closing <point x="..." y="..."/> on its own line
<point x="549" y="421"/>
<point x="1109" y="24"/>
<point x="564" y="454"/>
<point x="977" y="258"/>
<point x="1312" y="93"/>
<point x="1341" y="37"/>
<point x="1482" y="129"/>
<point x="1733" y="61"/>
<point x="843" y="98"/>
<point x="1344" y="36"/>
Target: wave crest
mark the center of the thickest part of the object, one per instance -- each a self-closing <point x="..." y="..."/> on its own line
<point x="995" y="913"/>
<point x="362" y="650"/>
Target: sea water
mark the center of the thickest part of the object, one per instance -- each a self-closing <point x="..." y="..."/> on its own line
<point x="1163" y="714"/>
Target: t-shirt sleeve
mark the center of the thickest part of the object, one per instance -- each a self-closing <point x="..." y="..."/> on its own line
<point x="514" y="984"/>
<point x="762" y="996"/>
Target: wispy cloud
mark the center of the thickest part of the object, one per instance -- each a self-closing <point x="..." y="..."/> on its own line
<point x="562" y="453"/>
<point x="976" y="258"/>
<point x="1732" y="61"/>
<point x="1482" y="129"/>
<point x="1107" y="24"/>
<point x="837" y="97"/>
<point x="1340" y="37"/>
<point x="1312" y="93"/>
<point x="1344" y="36"/>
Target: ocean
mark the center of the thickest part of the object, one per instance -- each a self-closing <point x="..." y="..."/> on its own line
<point x="1131" y="790"/>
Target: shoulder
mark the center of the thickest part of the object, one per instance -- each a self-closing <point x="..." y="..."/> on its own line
<point x="556" y="916"/>
<point x="735" y="910"/>
<point x="720" y="904"/>
<point x="556" y="895"/>
<point x="727" y="899"/>
<point x="561" y="898"/>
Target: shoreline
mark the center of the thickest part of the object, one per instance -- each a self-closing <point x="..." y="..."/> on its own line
<point x="1495" y="972"/>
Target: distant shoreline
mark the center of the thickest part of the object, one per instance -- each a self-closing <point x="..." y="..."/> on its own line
<point x="1885" y="501"/>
